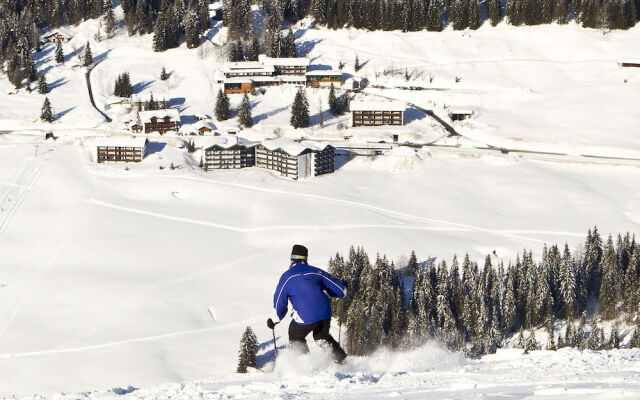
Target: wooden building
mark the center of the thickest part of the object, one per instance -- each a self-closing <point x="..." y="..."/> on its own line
<point x="376" y="113"/>
<point x="59" y="35"/>
<point x="161" y="121"/>
<point x="228" y="152"/>
<point x="121" y="149"/>
<point x="241" y="77"/>
<point x="204" y="127"/>
<point x="460" y="113"/>
<point x="295" y="160"/>
<point x="137" y="128"/>
<point x="324" y="78"/>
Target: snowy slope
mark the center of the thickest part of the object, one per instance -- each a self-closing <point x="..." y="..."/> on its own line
<point x="425" y="373"/>
<point x="108" y="272"/>
<point x="114" y="288"/>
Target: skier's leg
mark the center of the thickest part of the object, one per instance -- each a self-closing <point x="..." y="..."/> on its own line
<point x="322" y="333"/>
<point x="297" y="335"/>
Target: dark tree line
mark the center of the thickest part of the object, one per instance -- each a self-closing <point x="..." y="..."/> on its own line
<point x="415" y="15"/>
<point x="473" y="308"/>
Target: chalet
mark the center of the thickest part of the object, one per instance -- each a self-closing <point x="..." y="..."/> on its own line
<point x="375" y="113"/>
<point x="629" y="63"/>
<point x="121" y="149"/>
<point x="136" y="127"/>
<point x="59" y="35"/>
<point x="460" y="113"/>
<point x="204" y="127"/>
<point x="356" y="83"/>
<point x="242" y="77"/>
<point x="228" y="152"/>
<point x="161" y="121"/>
<point x="324" y="78"/>
<point x="295" y="160"/>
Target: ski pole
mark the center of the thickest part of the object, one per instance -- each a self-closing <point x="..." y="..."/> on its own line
<point x="275" y="347"/>
<point x="340" y="321"/>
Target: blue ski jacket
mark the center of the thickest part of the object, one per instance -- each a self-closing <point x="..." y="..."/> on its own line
<point x="307" y="288"/>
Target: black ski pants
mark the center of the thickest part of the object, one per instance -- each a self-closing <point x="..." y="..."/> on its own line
<point x="298" y="334"/>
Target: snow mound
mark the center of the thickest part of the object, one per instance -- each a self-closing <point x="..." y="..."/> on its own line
<point x="499" y="159"/>
<point x="399" y="159"/>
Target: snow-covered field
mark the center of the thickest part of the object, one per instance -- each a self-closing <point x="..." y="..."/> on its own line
<point x="108" y="274"/>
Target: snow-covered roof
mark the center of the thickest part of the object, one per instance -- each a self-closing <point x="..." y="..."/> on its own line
<point x="62" y="32"/>
<point x="225" y="141"/>
<point x="324" y="72"/>
<point x="363" y="105"/>
<point x="120" y="141"/>
<point x="293" y="79"/>
<point x="204" y="124"/>
<point x="284" y="61"/>
<point x="292" y="147"/>
<point x="247" y="67"/>
<point x="215" y="6"/>
<point x="145" y="116"/>
<point x="460" y="110"/>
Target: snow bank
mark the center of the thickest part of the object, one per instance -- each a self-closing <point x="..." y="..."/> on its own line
<point x="398" y="160"/>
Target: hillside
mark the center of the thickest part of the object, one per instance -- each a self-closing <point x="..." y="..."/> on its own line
<point x="109" y="272"/>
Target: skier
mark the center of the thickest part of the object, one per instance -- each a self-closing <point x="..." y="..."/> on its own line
<point x="307" y="288"/>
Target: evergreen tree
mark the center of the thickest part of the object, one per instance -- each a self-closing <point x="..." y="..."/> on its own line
<point x="59" y="53"/>
<point x="459" y="15"/>
<point x="475" y="17"/>
<point x="248" y="351"/>
<point x="244" y="113"/>
<point x="122" y="86"/>
<point x="290" y="45"/>
<point x="532" y="343"/>
<point x="43" y="87"/>
<point x="320" y="115"/>
<point x="14" y="72"/>
<point x="300" y="110"/>
<point x="46" y="114"/>
<point x="434" y="16"/>
<point x="254" y="49"/>
<point x="30" y="71"/>
<point x="610" y="288"/>
<point x="109" y="19"/>
<point x="204" y="21"/>
<point x="356" y="64"/>
<point x="163" y="75"/>
<point x="561" y="12"/>
<point x="614" y="339"/>
<point x="223" y="109"/>
<point x="333" y="102"/>
<point x="88" y="57"/>
<point x="191" y="30"/>
<point x="495" y="12"/>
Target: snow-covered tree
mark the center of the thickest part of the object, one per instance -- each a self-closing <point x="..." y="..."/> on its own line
<point x="223" y="109"/>
<point x="46" y="113"/>
<point x="300" y="110"/>
<point x="248" y="351"/>
<point x="88" y="57"/>
<point x="244" y="112"/>
<point x="43" y="87"/>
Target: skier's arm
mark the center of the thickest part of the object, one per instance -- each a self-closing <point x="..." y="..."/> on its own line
<point x="333" y="286"/>
<point x="280" y="300"/>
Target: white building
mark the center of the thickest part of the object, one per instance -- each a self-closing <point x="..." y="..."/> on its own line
<point x="296" y="160"/>
<point x="120" y="149"/>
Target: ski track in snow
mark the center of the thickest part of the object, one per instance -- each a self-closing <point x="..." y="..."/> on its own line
<point x="52" y="249"/>
<point x="514" y="234"/>
<point x="224" y="327"/>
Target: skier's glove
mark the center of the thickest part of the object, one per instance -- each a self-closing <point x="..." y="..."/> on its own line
<point x="271" y="324"/>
